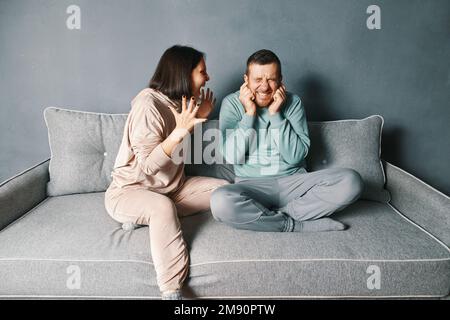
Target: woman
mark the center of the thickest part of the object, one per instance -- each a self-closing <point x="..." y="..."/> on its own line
<point x="148" y="186"/>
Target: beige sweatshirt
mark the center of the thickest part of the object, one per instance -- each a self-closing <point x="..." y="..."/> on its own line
<point x="141" y="162"/>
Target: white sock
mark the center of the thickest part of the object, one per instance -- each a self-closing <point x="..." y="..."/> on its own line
<point x="171" y="295"/>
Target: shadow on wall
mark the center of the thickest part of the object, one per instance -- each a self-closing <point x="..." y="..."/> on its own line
<point x="391" y="145"/>
<point x="313" y="90"/>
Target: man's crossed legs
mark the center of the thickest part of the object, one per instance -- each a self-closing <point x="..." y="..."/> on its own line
<point x="301" y="202"/>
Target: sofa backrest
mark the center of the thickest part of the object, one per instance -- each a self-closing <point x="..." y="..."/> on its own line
<point x="84" y="146"/>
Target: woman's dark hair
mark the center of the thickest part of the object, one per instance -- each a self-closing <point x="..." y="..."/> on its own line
<point x="173" y="73"/>
<point x="263" y="57"/>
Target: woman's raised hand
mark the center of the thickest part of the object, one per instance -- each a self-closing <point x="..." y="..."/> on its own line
<point x="207" y="105"/>
<point x="187" y="119"/>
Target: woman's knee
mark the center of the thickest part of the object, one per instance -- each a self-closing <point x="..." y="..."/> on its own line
<point x="142" y="206"/>
<point x="163" y="207"/>
<point x="162" y="210"/>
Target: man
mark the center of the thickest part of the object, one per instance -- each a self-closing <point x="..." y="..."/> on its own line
<point x="265" y="137"/>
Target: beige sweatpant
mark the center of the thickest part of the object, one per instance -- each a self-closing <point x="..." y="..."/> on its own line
<point x="161" y="212"/>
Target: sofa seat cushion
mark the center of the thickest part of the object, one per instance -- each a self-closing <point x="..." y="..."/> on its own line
<point x="68" y="246"/>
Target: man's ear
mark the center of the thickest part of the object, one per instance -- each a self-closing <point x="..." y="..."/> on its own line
<point x="245" y="78"/>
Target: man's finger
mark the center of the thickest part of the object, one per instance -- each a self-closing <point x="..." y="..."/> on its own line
<point x="208" y="92"/>
<point x="247" y="91"/>
<point x="277" y="94"/>
<point x="245" y="84"/>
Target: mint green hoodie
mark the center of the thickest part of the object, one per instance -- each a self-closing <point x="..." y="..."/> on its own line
<point x="264" y="145"/>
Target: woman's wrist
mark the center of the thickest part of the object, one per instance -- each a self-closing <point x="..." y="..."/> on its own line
<point x="178" y="134"/>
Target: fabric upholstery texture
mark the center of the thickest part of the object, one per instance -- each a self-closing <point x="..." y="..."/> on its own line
<point x="74" y="232"/>
<point x="83" y="148"/>
<point x="419" y="202"/>
<point x="23" y="192"/>
<point x="354" y="144"/>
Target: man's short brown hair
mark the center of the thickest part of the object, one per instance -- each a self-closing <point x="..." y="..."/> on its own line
<point x="263" y="57"/>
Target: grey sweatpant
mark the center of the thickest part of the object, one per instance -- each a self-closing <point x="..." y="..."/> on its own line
<point x="272" y="204"/>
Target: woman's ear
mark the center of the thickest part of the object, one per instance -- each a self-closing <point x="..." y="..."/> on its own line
<point x="245" y="78"/>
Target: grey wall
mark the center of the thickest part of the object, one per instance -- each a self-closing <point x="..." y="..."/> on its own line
<point x="340" y="68"/>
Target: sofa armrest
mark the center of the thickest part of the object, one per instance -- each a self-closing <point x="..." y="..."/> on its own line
<point x="419" y="202"/>
<point x="22" y="192"/>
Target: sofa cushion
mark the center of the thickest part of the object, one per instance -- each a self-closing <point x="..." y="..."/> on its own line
<point x="84" y="146"/>
<point x="354" y="144"/>
<point x="68" y="246"/>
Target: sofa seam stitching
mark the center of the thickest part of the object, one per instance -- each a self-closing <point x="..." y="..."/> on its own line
<point x="23" y="172"/>
<point x="420" y="228"/>
<point x="418" y="180"/>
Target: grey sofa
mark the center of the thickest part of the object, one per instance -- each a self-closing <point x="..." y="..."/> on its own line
<point x="57" y="241"/>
